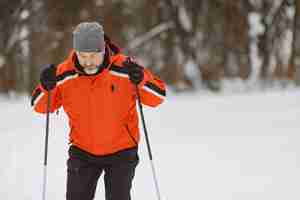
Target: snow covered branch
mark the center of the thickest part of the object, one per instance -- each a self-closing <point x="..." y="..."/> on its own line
<point x="155" y="31"/>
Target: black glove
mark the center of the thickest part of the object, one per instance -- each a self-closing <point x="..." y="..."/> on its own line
<point x="135" y="71"/>
<point x="48" y="77"/>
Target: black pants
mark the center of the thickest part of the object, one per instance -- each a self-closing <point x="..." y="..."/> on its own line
<point x="85" y="169"/>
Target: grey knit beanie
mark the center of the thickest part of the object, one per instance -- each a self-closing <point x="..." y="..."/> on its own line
<point x="88" y="37"/>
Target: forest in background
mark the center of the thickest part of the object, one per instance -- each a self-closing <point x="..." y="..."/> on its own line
<point x="188" y="43"/>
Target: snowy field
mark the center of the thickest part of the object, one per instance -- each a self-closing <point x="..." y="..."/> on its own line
<point x="231" y="147"/>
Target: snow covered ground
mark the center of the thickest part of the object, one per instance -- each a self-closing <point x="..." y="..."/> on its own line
<point x="230" y="147"/>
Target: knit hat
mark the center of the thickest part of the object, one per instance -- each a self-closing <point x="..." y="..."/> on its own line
<point x="88" y="37"/>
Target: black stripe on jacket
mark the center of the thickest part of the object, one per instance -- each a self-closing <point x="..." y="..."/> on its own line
<point x="60" y="77"/>
<point x="122" y="70"/>
<point x="151" y="86"/>
<point x="155" y="88"/>
<point x="65" y="75"/>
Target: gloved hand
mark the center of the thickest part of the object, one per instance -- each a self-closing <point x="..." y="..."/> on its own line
<point x="48" y="77"/>
<point x="135" y="71"/>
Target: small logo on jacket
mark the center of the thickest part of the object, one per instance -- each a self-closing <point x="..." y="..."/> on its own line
<point x="113" y="87"/>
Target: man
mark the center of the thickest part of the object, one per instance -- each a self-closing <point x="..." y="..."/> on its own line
<point x="96" y="86"/>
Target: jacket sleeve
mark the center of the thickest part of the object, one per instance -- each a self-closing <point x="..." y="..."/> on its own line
<point x="39" y="99"/>
<point x="152" y="90"/>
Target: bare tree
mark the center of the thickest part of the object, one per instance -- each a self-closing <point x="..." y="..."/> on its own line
<point x="236" y="41"/>
<point x="294" y="70"/>
<point x="12" y="14"/>
<point x="277" y="24"/>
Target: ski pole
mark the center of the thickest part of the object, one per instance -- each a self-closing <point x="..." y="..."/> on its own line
<point x="147" y="142"/>
<point x="46" y="145"/>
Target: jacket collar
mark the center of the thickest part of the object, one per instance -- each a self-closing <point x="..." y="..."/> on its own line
<point x="110" y="57"/>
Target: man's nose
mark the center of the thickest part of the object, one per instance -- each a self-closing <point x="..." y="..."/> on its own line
<point x="88" y="63"/>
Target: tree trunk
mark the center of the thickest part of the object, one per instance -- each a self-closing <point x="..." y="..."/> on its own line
<point x="294" y="66"/>
<point x="236" y="39"/>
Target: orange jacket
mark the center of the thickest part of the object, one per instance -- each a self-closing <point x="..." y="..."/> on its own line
<point x="102" y="108"/>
